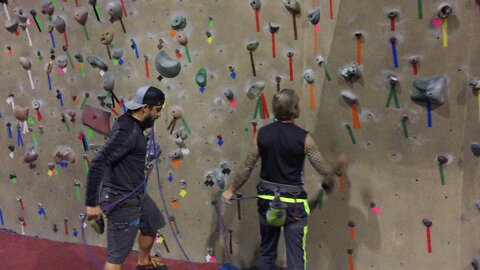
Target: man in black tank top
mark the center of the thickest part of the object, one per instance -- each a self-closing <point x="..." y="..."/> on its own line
<point x="282" y="147"/>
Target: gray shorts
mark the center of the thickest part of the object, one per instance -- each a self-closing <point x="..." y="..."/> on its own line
<point x="136" y="213"/>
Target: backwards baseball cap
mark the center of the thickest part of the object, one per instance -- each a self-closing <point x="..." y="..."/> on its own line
<point x="146" y="95"/>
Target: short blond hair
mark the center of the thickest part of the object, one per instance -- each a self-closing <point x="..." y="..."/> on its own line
<point x="285" y="104"/>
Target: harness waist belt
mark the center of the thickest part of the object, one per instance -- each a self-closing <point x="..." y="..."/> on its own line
<point x="281" y="188"/>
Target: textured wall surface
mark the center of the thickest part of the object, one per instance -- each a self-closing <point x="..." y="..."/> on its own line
<point x="399" y="173"/>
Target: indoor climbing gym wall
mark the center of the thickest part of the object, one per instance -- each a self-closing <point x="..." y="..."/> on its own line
<point x="393" y="84"/>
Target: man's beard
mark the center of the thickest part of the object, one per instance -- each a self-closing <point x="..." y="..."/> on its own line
<point x="148" y="122"/>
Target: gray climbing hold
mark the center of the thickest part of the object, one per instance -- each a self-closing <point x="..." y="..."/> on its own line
<point x="320" y="60"/>
<point x="350" y="72"/>
<point x="11" y="26"/>
<point x="96" y="62"/>
<point x="20" y="15"/>
<point x="445" y="11"/>
<point x="61" y="61"/>
<point x="475" y="265"/>
<point x="114" y="9"/>
<point x="47" y="8"/>
<point x="166" y="66"/>
<point x="117" y="53"/>
<point x="81" y="15"/>
<point x="228" y="93"/>
<point x="25" y="63"/>
<point x="36" y="104"/>
<point x="309" y="76"/>
<point x="433" y="90"/>
<point x="79" y="57"/>
<point x="179" y="22"/>
<point x="254" y="90"/>
<point x="30" y="155"/>
<point x="182" y="184"/>
<point x="252" y="46"/>
<point x="59" y="24"/>
<point x="349" y="97"/>
<point x="177" y="154"/>
<point x="477" y="204"/>
<point x="292" y="6"/>
<point x="273" y="27"/>
<point x="475" y="147"/>
<point x="392" y="79"/>
<point x="255" y="4"/>
<point x="108" y="82"/>
<point x="314" y="16"/>
<point x="474" y="83"/>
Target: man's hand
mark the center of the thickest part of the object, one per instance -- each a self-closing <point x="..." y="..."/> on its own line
<point x="227" y="195"/>
<point x="94" y="212"/>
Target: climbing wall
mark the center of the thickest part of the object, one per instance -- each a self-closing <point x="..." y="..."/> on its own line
<point x="408" y="199"/>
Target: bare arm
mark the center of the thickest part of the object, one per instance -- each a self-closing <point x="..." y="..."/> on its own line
<point x="318" y="161"/>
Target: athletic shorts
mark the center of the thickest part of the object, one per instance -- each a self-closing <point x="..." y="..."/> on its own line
<point x="136" y="213"/>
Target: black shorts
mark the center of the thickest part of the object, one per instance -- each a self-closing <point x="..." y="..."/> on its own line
<point x="136" y="213"/>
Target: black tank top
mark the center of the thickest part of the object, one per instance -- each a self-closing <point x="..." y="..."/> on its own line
<point x="282" y="151"/>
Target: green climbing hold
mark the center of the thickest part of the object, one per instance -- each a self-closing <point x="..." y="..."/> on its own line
<point x="201" y="77"/>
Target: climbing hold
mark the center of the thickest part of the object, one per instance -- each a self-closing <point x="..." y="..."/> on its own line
<point x="96" y="62"/>
<point x="59" y="24"/>
<point x="475" y="147"/>
<point x="255" y="4"/>
<point x="48" y="8"/>
<point x="81" y="15"/>
<point x="350" y="72"/>
<point x="442" y="160"/>
<point x="309" y="75"/>
<point x="108" y="82"/>
<point x="61" y="61"/>
<point x="433" y="90"/>
<point x="445" y="11"/>
<point x="349" y="97"/>
<point x="117" y="53"/>
<point x="182" y="38"/>
<point x="254" y="90"/>
<point x="314" y="16"/>
<point x="166" y="66"/>
<point x="273" y="27"/>
<point x="179" y="22"/>
<point x="106" y="38"/>
<point x="201" y="77"/>
<point x="292" y="6"/>
<point x="114" y="9"/>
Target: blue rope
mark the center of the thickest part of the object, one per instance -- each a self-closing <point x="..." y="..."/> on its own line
<point x="165" y="204"/>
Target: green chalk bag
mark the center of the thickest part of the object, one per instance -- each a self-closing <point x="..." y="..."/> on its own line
<point x="277" y="213"/>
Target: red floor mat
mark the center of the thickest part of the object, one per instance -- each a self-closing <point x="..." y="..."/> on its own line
<point x="31" y="253"/>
